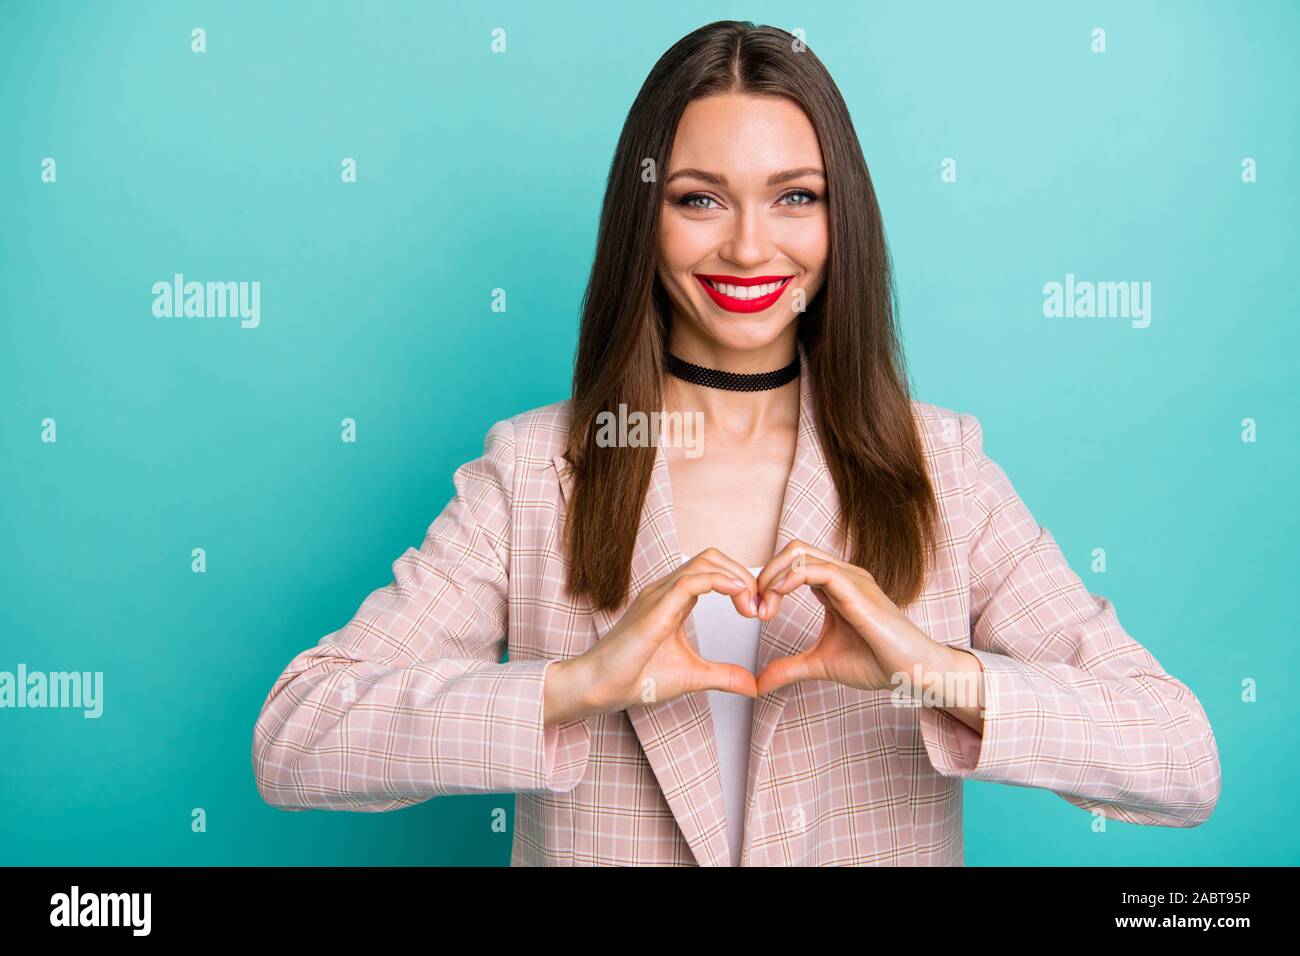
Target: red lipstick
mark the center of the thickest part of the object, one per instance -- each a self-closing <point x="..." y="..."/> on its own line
<point x="731" y="303"/>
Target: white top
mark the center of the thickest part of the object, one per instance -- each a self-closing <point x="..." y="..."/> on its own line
<point x="726" y="636"/>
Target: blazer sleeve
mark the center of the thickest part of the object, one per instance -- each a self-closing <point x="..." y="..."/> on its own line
<point x="410" y="699"/>
<point x="1072" y="703"/>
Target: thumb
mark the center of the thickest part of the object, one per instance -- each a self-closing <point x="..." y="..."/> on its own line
<point x="789" y="670"/>
<point x="731" y="678"/>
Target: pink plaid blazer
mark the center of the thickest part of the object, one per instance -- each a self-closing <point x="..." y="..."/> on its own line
<point x="410" y="699"/>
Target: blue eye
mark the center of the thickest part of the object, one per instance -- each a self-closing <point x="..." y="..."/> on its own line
<point x="811" y="197"/>
<point x="690" y="198"/>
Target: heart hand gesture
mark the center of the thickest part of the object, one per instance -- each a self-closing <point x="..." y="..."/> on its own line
<point x="646" y="657"/>
<point x="865" y="639"/>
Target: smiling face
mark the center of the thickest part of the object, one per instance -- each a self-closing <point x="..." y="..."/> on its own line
<point x="744" y="227"/>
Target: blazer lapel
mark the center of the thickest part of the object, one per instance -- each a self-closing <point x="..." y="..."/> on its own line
<point x="677" y="736"/>
<point x="809" y="513"/>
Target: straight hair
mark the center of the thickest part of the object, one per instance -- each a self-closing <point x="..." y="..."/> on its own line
<point x="859" y="383"/>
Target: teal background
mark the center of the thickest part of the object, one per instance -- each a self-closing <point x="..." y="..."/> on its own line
<point x="479" y="171"/>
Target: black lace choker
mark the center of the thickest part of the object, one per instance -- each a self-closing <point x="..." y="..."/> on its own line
<point x="732" y="381"/>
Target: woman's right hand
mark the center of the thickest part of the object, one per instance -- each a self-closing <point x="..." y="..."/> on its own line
<point x="646" y="658"/>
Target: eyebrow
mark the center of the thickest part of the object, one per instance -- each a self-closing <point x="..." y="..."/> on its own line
<point x="774" y="180"/>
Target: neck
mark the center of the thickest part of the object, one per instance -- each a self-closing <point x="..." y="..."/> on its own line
<point x="738" y="414"/>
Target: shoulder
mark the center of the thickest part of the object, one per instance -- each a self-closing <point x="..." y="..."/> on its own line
<point x="944" y="428"/>
<point x="517" y="468"/>
<point x="952" y="441"/>
<point x="522" y="448"/>
<point x="539" y="434"/>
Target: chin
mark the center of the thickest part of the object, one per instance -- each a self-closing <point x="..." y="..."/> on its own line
<point x="746" y="333"/>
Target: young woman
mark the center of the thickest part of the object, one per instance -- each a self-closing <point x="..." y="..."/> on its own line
<point x="785" y="638"/>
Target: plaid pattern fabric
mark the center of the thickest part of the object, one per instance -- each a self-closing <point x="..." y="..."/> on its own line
<point x="410" y="699"/>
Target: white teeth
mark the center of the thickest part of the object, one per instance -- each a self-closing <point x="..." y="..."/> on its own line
<point x="745" y="291"/>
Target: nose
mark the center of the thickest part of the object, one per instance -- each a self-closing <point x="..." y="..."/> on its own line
<point x="748" y="244"/>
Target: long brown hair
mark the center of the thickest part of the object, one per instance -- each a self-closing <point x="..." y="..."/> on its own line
<point x="861" y="398"/>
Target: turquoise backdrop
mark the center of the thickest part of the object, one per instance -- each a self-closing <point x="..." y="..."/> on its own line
<point x="479" y="170"/>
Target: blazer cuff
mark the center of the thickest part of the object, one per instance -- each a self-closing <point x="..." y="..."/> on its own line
<point x="488" y="734"/>
<point x="565" y="749"/>
<point x="956" y="750"/>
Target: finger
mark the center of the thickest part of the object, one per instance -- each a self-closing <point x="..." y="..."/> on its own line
<point x="770" y="599"/>
<point x="696" y="565"/>
<point x="682" y="592"/>
<point x="716" y="560"/>
<point x="784" y="558"/>
<point x="826" y="578"/>
<point x="788" y="670"/>
<point x="777" y="563"/>
<point x="800" y="572"/>
<point x="793" y="554"/>
<point x="731" y="678"/>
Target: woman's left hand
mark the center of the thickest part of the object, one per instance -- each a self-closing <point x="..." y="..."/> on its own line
<point x="865" y="639"/>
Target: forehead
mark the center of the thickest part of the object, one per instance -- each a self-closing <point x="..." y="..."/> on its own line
<point x="743" y="136"/>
